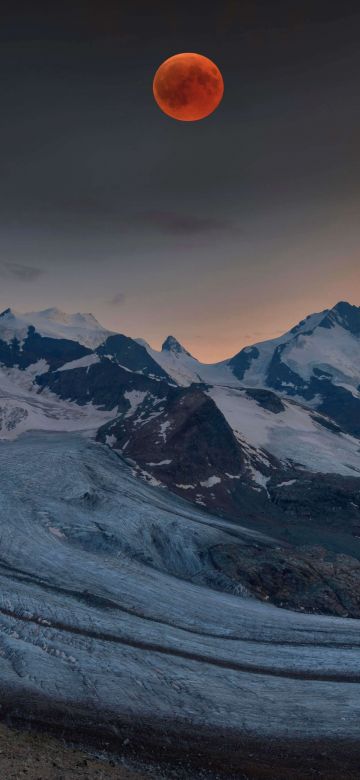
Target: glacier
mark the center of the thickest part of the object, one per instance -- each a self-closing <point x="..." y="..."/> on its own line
<point x="110" y="611"/>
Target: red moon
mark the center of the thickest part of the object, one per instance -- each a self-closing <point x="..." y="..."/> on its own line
<point x="188" y="87"/>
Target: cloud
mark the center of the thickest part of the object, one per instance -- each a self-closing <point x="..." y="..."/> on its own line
<point x="24" y="273"/>
<point x="182" y="224"/>
<point x="118" y="299"/>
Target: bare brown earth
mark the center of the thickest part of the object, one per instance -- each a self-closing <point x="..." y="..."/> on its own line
<point x="41" y="757"/>
<point x="175" y="755"/>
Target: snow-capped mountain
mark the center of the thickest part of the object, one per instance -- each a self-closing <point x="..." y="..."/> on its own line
<point x="186" y="369"/>
<point x="324" y="345"/>
<point x="317" y="363"/>
<point x="225" y="435"/>
<point x="53" y="323"/>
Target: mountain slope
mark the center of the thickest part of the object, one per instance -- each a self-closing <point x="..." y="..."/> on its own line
<point x="24" y="408"/>
<point x="318" y="362"/>
<point x="184" y="442"/>
<point x="289" y="430"/>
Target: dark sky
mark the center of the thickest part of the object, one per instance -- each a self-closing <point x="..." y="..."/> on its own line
<point x="223" y="231"/>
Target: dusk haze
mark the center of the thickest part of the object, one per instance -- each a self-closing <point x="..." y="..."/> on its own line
<point x="223" y="231"/>
<point x="180" y="390"/>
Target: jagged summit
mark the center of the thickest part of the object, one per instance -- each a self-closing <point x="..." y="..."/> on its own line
<point x="344" y="314"/>
<point x="171" y="344"/>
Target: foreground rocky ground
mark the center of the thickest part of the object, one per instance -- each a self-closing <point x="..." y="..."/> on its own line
<point x="40" y="757"/>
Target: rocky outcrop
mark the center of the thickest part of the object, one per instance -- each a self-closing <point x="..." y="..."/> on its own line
<point x="133" y="356"/>
<point x="184" y="442"/>
<point x="56" y="352"/>
<point x="307" y="579"/>
<point x="104" y="384"/>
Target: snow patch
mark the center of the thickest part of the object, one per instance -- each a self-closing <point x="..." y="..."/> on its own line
<point x="160" y="463"/>
<point x="83" y="362"/>
<point x="208" y="483"/>
<point x="163" y="428"/>
<point x="135" y="398"/>
<point x="150" y="479"/>
<point x="56" y="532"/>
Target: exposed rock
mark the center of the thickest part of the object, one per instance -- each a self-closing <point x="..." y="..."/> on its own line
<point x="56" y="352"/>
<point x="309" y="579"/>
<point x="130" y="354"/>
<point x="241" y="362"/>
<point x="171" y="344"/>
<point x="185" y="443"/>
<point x="266" y="399"/>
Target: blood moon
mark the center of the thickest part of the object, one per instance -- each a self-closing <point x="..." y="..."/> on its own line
<point x="188" y="87"/>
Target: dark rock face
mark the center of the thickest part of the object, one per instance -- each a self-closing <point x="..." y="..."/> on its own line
<point x="56" y="352"/>
<point x="10" y="353"/>
<point x="132" y="355"/>
<point x="242" y="361"/>
<point x="326" y="423"/>
<point x="187" y="425"/>
<point x="321" y="374"/>
<point x="185" y="443"/>
<point x="103" y="383"/>
<point x="324" y="499"/>
<point x="336" y="401"/>
<point x="281" y="377"/>
<point x="339" y="403"/>
<point x="309" y="579"/>
<point x="171" y="344"/>
<point x="266" y="399"/>
<point x="343" y="314"/>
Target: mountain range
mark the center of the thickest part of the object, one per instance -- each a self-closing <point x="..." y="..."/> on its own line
<point x="269" y="438"/>
<point x="305" y="382"/>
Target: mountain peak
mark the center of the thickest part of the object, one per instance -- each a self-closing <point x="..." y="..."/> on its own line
<point x="171" y="344"/>
<point x="53" y="323"/>
<point x="344" y="314"/>
<point x="54" y="314"/>
<point x="6" y="313"/>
